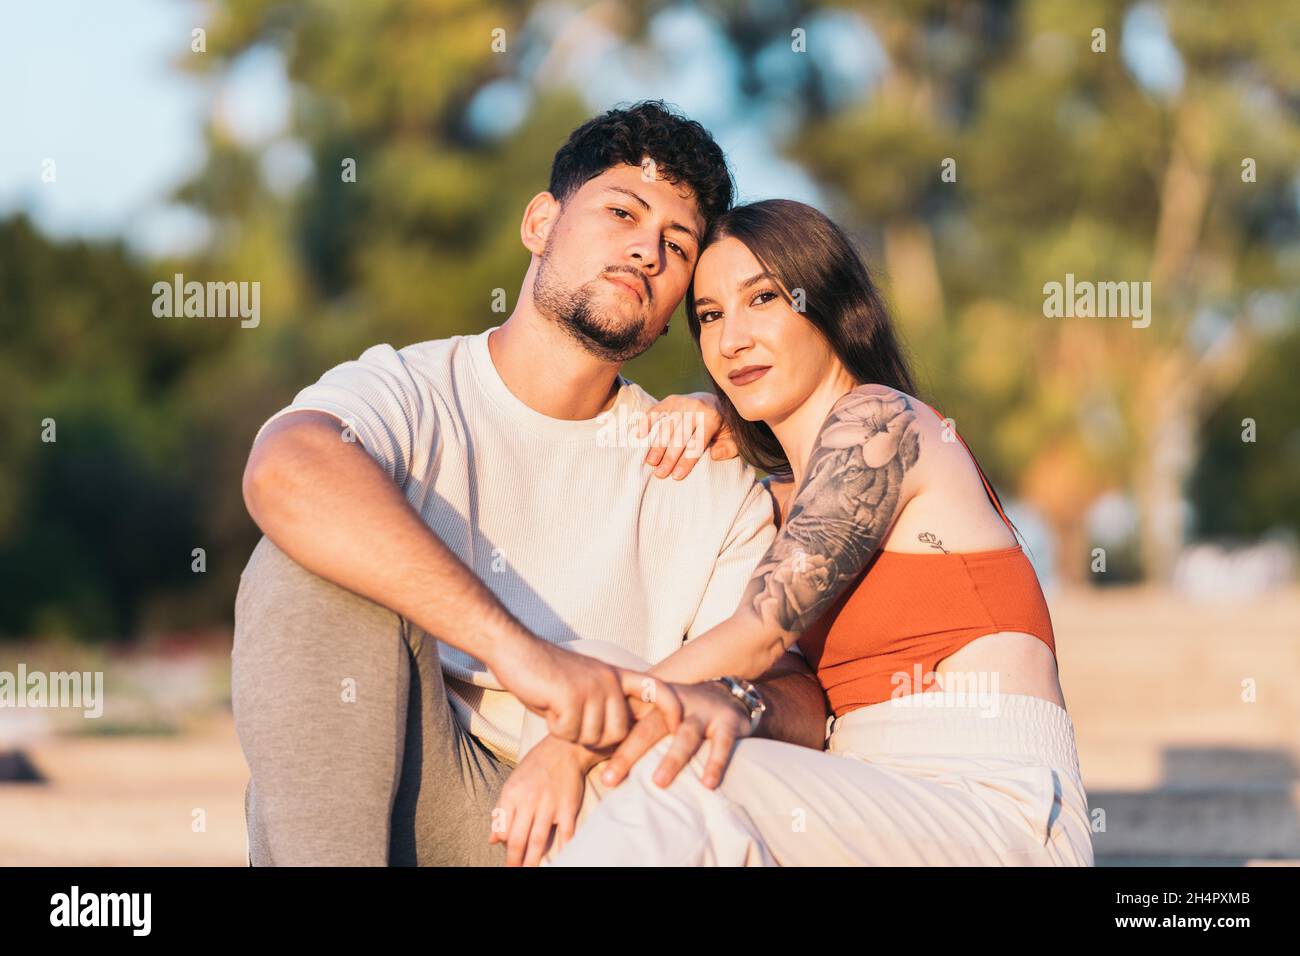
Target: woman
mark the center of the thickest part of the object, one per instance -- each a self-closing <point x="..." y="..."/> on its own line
<point x="898" y="574"/>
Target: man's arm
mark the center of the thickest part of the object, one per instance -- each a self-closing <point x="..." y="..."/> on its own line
<point x="329" y="505"/>
<point x="325" y="502"/>
<point x="796" y="704"/>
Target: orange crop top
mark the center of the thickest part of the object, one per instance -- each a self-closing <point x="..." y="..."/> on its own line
<point x="906" y="612"/>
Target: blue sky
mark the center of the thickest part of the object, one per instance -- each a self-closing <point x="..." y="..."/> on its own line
<point x="96" y="87"/>
<point x="91" y="86"/>
<point x="98" y="90"/>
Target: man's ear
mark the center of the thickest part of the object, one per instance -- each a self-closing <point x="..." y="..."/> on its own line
<point x="540" y="216"/>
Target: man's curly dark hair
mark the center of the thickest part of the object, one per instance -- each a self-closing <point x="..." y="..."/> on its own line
<point x="682" y="150"/>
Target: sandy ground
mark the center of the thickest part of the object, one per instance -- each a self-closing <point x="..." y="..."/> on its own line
<point x="1179" y="767"/>
<point x="162" y="801"/>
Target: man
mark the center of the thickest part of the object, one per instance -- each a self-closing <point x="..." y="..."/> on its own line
<point x="441" y="520"/>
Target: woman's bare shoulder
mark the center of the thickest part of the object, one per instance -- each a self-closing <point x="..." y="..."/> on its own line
<point x="874" y="390"/>
<point x="891" y="426"/>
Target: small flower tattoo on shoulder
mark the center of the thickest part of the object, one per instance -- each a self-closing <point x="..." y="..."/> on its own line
<point x="933" y="541"/>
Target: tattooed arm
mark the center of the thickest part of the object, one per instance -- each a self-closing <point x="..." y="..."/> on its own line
<point x="853" y="490"/>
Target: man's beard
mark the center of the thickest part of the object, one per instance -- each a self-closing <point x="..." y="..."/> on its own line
<point x="600" y="332"/>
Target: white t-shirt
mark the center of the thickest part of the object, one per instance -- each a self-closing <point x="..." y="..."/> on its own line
<point x="561" y="519"/>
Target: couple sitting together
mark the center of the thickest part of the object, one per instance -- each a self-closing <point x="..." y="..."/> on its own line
<point x="481" y="627"/>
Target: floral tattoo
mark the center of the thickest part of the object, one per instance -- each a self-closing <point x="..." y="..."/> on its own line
<point x="847" y="502"/>
<point x="926" y="537"/>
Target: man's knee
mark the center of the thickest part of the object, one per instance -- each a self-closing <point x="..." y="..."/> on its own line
<point x="281" y="607"/>
<point x="272" y="579"/>
<point x="302" y="641"/>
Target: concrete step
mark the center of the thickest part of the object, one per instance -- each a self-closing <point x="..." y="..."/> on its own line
<point x="1229" y="822"/>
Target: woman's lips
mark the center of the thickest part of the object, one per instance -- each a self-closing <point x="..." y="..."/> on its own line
<point x="626" y="285"/>
<point x="749" y="375"/>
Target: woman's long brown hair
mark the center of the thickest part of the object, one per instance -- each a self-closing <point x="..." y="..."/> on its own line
<point x="805" y="250"/>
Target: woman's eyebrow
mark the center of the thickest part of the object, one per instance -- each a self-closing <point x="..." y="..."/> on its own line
<point x="742" y="287"/>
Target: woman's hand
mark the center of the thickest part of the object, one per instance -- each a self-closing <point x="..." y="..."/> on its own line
<point x="681" y="429"/>
<point x="711" y="713"/>
<point x="544" y="791"/>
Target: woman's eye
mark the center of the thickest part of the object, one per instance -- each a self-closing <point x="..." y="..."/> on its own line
<point x="623" y="211"/>
<point x="704" y="316"/>
<point x="763" y="293"/>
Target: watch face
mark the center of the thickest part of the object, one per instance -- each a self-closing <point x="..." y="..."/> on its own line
<point x="754" y="701"/>
<point x="748" y="696"/>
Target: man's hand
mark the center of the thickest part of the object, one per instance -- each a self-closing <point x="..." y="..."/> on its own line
<point x="583" y="700"/>
<point x="711" y="713"/>
<point x="545" y="791"/>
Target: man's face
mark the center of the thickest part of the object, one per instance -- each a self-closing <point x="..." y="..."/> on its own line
<point x="618" y="259"/>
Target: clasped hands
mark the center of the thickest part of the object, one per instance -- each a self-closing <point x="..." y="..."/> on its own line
<point x="543" y="795"/>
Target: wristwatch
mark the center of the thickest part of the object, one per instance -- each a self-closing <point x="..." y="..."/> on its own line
<point x="747" y="696"/>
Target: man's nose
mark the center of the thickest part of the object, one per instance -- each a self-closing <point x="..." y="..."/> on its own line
<point x="644" y="263"/>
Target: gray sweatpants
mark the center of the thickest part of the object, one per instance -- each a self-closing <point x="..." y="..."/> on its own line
<point x="355" y="755"/>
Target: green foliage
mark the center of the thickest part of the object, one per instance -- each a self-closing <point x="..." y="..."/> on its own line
<point x="1243" y="489"/>
<point x="1064" y="165"/>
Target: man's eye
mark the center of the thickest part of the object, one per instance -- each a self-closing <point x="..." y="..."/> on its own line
<point x="623" y="211"/>
<point x="677" y="249"/>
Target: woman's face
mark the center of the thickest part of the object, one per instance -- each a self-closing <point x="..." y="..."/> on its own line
<point x="745" y="322"/>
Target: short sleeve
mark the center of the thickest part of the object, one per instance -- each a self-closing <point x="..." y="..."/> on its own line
<point x="748" y="539"/>
<point x="379" y="398"/>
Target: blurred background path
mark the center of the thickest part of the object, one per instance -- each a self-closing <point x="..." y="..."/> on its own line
<point x="1184" y="769"/>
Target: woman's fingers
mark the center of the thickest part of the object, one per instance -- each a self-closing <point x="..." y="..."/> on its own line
<point x="678" y="436"/>
<point x="723" y="448"/>
<point x="667" y="441"/>
<point x="686" y="742"/>
<point x="695" y="444"/>
<point x="651" y="428"/>
<point x="721" y="742"/>
<point x="656" y="453"/>
<point x="645" y="734"/>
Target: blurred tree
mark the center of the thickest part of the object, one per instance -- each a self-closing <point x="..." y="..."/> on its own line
<point x="1247" y="482"/>
<point x="104" y="516"/>
<point x="1067" y="161"/>
<point x="1067" y="164"/>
